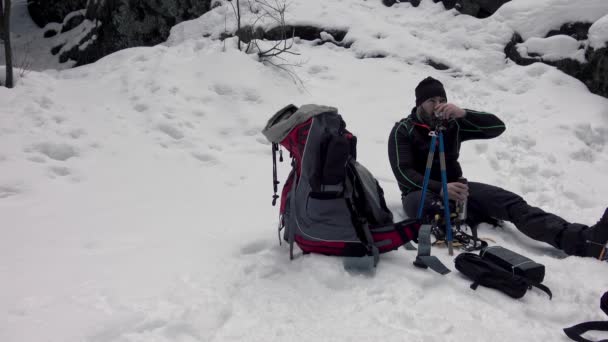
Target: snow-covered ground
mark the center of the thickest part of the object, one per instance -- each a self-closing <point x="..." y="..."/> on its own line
<point x="135" y="192"/>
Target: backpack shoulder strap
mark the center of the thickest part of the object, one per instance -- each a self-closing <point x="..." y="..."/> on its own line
<point x="576" y="332"/>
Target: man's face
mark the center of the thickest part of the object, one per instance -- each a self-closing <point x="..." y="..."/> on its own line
<point x="428" y="106"/>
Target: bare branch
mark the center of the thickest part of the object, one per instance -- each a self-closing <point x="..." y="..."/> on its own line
<point x="285" y="67"/>
<point x="237" y="14"/>
<point x="274" y="54"/>
<point x="25" y="62"/>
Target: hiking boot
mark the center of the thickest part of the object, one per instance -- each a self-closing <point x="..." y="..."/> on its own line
<point x="596" y="238"/>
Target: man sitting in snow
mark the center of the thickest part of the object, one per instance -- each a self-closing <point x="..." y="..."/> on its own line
<point x="408" y="148"/>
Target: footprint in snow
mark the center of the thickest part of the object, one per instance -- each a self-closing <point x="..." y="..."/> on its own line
<point x="77" y="133"/>
<point x="262" y="140"/>
<point x="251" y="95"/>
<point x="481" y="148"/>
<point x="44" y="102"/>
<point x="578" y="200"/>
<point x="171" y="131"/>
<point x="537" y="69"/>
<point x="140" y="58"/>
<point x="584" y="155"/>
<point x="251" y="132"/>
<point x="550" y="173"/>
<point x="198" y="113"/>
<point x="37" y="159"/>
<point x="529" y="170"/>
<point x="216" y="148"/>
<point x="60" y="152"/>
<point x="8" y="191"/>
<point x="222" y="89"/>
<point x="317" y="69"/>
<point x="60" y="170"/>
<point x="254" y="247"/>
<point x="494" y="163"/>
<point x="595" y="138"/>
<point x="141" y="107"/>
<point x="226" y="131"/>
<point x="205" y="157"/>
<point x="59" y="119"/>
<point x="523" y="141"/>
<point x="152" y="86"/>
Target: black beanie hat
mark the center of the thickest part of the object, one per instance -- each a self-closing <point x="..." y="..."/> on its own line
<point x="427" y="88"/>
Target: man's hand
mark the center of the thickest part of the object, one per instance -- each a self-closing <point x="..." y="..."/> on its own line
<point x="457" y="191"/>
<point x="448" y="111"/>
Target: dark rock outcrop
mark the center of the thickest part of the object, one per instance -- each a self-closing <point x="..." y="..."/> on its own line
<point x="597" y="63"/>
<point x="437" y="65"/>
<point x="594" y="73"/>
<point x="52" y="11"/>
<point x="74" y="21"/>
<point x="476" y="8"/>
<point x="389" y="3"/>
<point x="310" y="33"/>
<point x="50" y="33"/>
<point x="304" y="32"/>
<point x="514" y="55"/>
<point x="117" y="24"/>
<point x="578" y="31"/>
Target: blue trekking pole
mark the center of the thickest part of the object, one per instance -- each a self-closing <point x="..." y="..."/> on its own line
<point x="424" y="258"/>
<point x="444" y="183"/>
<point x="446" y="204"/>
<point x="427" y="173"/>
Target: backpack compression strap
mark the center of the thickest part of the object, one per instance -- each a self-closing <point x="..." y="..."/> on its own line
<point x="576" y="332"/>
<point x="424" y="259"/>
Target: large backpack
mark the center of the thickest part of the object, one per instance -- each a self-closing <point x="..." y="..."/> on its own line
<point x="330" y="203"/>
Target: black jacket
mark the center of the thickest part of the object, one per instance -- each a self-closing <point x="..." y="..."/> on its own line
<point x="408" y="147"/>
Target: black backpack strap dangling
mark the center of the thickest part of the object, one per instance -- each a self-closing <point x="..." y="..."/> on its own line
<point x="576" y="332"/>
<point x="541" y="287"/>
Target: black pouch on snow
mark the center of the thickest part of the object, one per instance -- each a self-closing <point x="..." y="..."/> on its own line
<point x="487" y="273"/>
<point x="516" y="263"/>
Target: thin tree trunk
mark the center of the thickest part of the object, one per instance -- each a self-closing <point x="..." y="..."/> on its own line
<point x="238" y="22"/>
<point x="5" y="21"/>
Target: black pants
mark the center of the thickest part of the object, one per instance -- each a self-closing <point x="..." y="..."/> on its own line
<point x="487" y="202"/>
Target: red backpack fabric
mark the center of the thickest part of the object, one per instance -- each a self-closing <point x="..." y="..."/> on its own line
<point x="330" y="204"/>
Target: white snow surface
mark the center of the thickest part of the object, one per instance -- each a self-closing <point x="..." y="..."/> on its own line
<point x="535" y="18"/>
<point x="598" y="33"/>
<point x="553" y="48"/>
<point x="135" y="192"/>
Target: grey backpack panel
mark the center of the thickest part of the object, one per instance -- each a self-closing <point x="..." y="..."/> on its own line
<point x="281" y="123"/>
<point x="318" y="217"/>
<point x="371" y="192"/>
